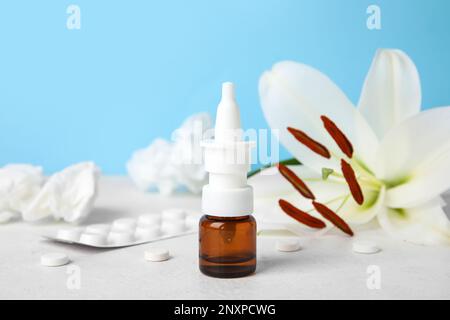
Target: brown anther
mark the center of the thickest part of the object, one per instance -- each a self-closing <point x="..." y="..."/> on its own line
<point x="352" y="182"/>
<point x="328" y="214"/>
<point x="338" y="136"/>
<point x="296" y="181"/>
<point x="300" y="215"/>
<point x="312" y="144"/>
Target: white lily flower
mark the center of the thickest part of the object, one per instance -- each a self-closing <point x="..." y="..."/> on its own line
<point x="401" y="155"/>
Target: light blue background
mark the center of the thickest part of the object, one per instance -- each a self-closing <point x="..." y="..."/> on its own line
<point x="136" y="69"/>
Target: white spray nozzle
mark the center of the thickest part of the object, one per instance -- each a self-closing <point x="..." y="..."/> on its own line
<point x="228" y="122"/>
<point x="227" y="159"/>
<point x="228" y="91"/>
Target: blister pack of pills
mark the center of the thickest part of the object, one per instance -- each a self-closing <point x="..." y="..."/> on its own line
<point x="125" y="232"/>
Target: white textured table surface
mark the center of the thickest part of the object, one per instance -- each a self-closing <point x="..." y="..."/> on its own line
<point x="325" y="268"/>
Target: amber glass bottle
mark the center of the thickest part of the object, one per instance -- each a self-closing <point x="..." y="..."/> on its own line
<point x="227" y="246"/>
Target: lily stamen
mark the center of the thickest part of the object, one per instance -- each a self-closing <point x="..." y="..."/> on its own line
<point x="338" y="136"/>
<point x="328" y="214"/>
<point x="310" y="143"/>
<point x="301" y="216"/>
<point x="352" y="182"/>
<point x="296" y="182"/>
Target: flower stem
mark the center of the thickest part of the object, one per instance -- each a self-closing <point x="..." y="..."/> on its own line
<point x="286" y="162"/>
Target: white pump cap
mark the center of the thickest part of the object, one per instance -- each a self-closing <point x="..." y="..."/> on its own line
<point x="227" y="159"/>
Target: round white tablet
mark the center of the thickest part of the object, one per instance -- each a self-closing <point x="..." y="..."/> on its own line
<point x="98" y="228"/>
<point x="150" y="219"/>
<point x="71" y="235"/>
<point x="365" y="246"/>
<point x="124" y="224"/>
<point x="54" y="259"/>
<point x="93" y="239"/>
<point x="288" y="245"/>
<point x="174" y="214"/>
<point x="173" y="227"/>
<point x="147" y="233"/>
<point x="120" y="237"/>
<point x="157" y="254"/>
<point x="6" y="216"/>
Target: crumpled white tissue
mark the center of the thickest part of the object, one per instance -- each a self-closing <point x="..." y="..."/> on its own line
<point x="68" y="194"/>
<point x="169" y="165"/>
<point x="19" y="184"/>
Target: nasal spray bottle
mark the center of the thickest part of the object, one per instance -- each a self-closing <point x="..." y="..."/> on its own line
<point x="227" y="231"/>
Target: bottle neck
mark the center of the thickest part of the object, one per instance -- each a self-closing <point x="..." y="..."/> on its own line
<point x="230" y="219"/>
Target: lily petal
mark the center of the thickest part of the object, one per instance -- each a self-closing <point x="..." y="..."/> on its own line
<point x="426" y="224"/>
<point x="296" y="95"/>
<point x="415" y="159"/>
<point x="391" y="92"/>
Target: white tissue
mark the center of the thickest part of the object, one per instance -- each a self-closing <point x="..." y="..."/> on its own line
<point x="149" y="167"/>
<point x="168" y="165"/>
<point x="19" y="184"/>
<point x="68" y="194"/>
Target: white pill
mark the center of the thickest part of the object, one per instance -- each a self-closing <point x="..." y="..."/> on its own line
<point x="54" y="259"/>
<point x="173" y="227"/>
<point x="157" y="254"/>
<point x="93" y="239"/>
<point x="174" y="214"/>
<point x="120" y="237"/>
<point x="71" y="235"/>
<point x="147" y="233"/>
<point x="365" y="246"/>
<point x="150" y="219"/>
<point x="6" y="216"/>
<point x="288" y="245"/>
<point x="124" y="224"/>
<point x="98" y="228"/>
